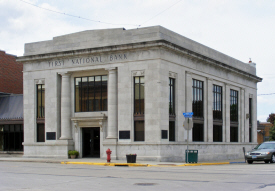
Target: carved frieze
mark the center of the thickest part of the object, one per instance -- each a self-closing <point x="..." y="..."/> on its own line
<point x="39" y="81"/>
<point x="172" y="75"/>
<point x="138" y="73"/>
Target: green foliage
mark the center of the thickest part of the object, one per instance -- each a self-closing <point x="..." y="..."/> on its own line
<point x="271" y="118"/>
<point x="73" y="152"/>
<point x="272" y="133"/>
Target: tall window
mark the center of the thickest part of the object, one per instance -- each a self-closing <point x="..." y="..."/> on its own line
<point x="250" y="119"/>
<point x="171" y="96"/>
<point x="40" y="128"/>
<point x="233" y="105"/>
<point x="217" y="102"/>
<point x="217" y="133"/>
<point x="40" y="132"/>
<point x="217" y="113"/>
<point x="91" y="93"/>
<point x="139" y="95"/>
<point x="2" y="138"/>
<point x="197" y="106"/>
<point x="172" y="109"/>
<point x="197" y="98"/>
<point x="41" y="101"/>
<point x="233" y="116"/>
<point x="139" y="108"/>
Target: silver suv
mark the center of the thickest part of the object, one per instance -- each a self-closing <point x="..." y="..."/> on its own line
<point x="263" y="152"/>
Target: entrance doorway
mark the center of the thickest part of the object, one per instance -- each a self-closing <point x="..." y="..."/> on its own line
<point x="91" y="142"/>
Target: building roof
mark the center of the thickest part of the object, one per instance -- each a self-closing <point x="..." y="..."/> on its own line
<point x="265" y="123"/>
<point x="11" y="107"/>
<point x="4" y="94"/>
<point x="119" y="36"/>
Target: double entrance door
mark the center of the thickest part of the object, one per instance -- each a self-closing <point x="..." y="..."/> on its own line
<point x="91" y="142"/>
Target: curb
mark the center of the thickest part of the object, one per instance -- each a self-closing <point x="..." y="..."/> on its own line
<point x="120" y="164"/>
<point x="37" y="161"/>
<point x="107" y="164"/>
<point x="143" y="165"/>
<point x="237" y="162"/>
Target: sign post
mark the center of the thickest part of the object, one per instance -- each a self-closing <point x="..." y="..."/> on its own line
<point x="188" y="125"/>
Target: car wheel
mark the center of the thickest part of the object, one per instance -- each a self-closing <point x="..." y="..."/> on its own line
<point x="266" y="161"/>
<point x="249" y="161"/>
<point x="272" y="158"/>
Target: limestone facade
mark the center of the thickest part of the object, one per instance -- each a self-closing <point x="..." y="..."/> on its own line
<point x="155" y="53"/>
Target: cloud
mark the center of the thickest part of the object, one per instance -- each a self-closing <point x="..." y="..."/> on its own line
<point x="241" y="29"/>
<point x="262" y="118"/>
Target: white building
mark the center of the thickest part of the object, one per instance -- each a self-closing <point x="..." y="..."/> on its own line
<point x="127" y="90"/>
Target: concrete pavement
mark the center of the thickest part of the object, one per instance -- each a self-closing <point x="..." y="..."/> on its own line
<point x="103" y="162"/>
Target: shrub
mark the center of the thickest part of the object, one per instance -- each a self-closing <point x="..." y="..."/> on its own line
<point x="73" y="152"/>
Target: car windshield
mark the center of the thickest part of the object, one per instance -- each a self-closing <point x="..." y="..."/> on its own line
<point x="267" y="146"/>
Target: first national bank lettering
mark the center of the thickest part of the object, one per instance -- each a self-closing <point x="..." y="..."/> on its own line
<point x="88" y="60"/>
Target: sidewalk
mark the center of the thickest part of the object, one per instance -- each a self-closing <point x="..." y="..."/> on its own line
<point x="103" y="162"/>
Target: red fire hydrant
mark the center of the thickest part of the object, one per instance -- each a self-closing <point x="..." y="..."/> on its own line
<point x="108" y="152"/>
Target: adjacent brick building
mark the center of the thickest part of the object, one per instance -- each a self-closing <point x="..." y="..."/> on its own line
<point x="263" y="131"/>
<point x="11" y="104"/>
<point x="11" y="76"/>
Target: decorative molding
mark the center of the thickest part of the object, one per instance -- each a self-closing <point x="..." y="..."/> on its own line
<point x="138" y="72"/>
<point x="157" y="43"/>
<point x="111" y="69"/>
<point x="172" y="74"/>
<point x="250" y="95"/>
<point x="39" y="81"/>
<point x="100" y="125"/>
<point x="189" y="73"/>
<point x="64" y="74"/>
<point x="75" y="124"/>
<point x="210" y="79"/>
<point x="96" y="121"/>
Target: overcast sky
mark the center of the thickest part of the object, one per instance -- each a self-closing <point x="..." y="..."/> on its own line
<point x="242" y="29"/>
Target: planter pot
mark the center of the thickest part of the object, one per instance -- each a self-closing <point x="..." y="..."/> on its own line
<point x="73" y="156"/>
<point x="131" y="158"/>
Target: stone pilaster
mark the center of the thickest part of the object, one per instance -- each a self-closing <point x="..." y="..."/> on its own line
<point x="209" y="126"/>
<point x="188" y="97"/>
<point x="247" y="116"/>
<point x="226" y="132"/>
<point x="254" y="117"/>
<point x="242" y="115"/>
<point x="112" y="104"/>
<point x="66" y="132"/>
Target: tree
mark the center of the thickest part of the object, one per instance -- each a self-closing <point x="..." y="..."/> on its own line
<point x="272" y="133"/>
<point x="271" y="118"/>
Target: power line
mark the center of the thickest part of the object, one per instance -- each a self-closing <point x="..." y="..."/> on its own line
<point x="74" y="15"/>
<point x="266" y="94"/>
<point x="160" y="13"/>
<point x="57" y="12"/>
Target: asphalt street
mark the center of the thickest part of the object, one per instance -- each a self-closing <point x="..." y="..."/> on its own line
<point x="54" y="176"/>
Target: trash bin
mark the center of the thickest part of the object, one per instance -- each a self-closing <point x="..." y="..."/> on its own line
<point x="131" y="158"/>
<point x="192" y="156"/>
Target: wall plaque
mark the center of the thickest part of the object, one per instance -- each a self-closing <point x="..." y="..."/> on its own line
<point x="124" y="134"/>
<point x="164" y="134"/>
<point x="50" y="136"/>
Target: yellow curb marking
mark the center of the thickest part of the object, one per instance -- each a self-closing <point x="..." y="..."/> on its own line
<point x="143" y="165"/>
<point x="215" y="163"/>
<point x="107" y="164"/>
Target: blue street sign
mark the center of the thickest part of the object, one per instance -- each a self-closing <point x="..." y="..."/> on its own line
<point x="188" y="116"/>
<point x="188" y="113"/>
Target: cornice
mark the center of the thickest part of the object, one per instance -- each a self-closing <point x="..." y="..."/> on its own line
<point x="135" y="46"/>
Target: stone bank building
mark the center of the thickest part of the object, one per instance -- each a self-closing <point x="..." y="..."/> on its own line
<point x="127" y="90"/>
